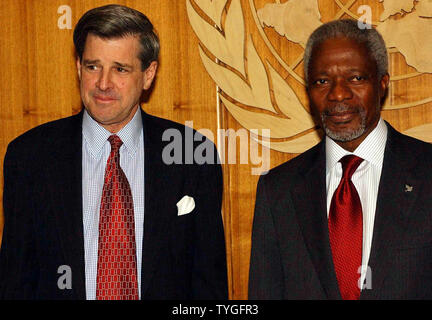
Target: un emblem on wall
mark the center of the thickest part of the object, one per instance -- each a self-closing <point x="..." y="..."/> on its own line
<point x="260" y="96"/>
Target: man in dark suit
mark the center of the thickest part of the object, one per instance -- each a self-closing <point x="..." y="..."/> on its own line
<point x="350" y="218"/>
<point x="94" y="206"/>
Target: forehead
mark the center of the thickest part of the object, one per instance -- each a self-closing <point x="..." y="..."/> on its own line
<point x="340" y="54"/>
<point x="123" y="48"/>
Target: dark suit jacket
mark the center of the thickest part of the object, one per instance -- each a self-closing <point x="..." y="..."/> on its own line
<point x="291" y="256"/>
<point x="183" y="256"/>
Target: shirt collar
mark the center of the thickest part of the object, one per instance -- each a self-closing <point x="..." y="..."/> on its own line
<point x="96" y="136"/>
<point x="371" y="149"/>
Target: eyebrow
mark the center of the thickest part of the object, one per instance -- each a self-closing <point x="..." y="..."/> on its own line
<point x="86" y="61"/>
<point x="358" y="70"/>
<point x="325" y="73"/>
<point x="123" y="65"/>
<point x="118" y="64"/>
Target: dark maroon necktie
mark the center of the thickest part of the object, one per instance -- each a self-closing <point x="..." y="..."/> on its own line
<point x="117" y="267"/>
<point x="346" y="230"/>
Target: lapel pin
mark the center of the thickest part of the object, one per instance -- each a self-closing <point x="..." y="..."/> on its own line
<point x="408" y="188"/>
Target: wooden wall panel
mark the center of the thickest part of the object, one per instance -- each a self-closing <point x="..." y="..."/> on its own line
<point x="39" y="83"/>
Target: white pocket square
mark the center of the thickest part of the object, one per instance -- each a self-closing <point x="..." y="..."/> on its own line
<point x="185" y="205"/>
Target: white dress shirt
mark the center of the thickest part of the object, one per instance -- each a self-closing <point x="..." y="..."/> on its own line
<point x="95" y="152"/>
<point x="366" y="179"/>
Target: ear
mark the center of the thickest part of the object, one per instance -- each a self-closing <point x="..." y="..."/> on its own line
<point x="149" y="75"/>
<point x="78" y="65"/>
<point x="384" y="84"/>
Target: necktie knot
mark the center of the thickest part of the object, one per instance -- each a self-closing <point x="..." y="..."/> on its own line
<point x="115" y="143"/>
<point x="350" y="163"/>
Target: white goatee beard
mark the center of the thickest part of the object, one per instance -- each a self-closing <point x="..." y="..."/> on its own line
<point x="348" y="135"/>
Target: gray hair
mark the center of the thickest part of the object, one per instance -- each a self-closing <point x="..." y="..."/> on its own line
<point x="348" y="28"/>
<point x="116" y="21"/>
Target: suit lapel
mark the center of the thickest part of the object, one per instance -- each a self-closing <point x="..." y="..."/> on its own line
<point x="65" y="181"/>
<point x="309" y="199"/>
<point x="156" y="184"/>
<point x="393" y="208"/>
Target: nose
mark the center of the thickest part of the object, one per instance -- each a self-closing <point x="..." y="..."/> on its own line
<point x="104" y="81"/>
<point x="339" y="91"/>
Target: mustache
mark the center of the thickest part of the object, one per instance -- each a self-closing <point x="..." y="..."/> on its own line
<point x="105" y="94"/>
<point x="340" y="108"/>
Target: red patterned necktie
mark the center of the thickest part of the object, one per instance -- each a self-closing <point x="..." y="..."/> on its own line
<point x="117" y="267"/>
<point x="346" y="230"/>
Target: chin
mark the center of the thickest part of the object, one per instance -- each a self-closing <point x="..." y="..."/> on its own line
<point x="345" y="132"/>
<point x="345" y="135"/>
<point x="100" y="116"/>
